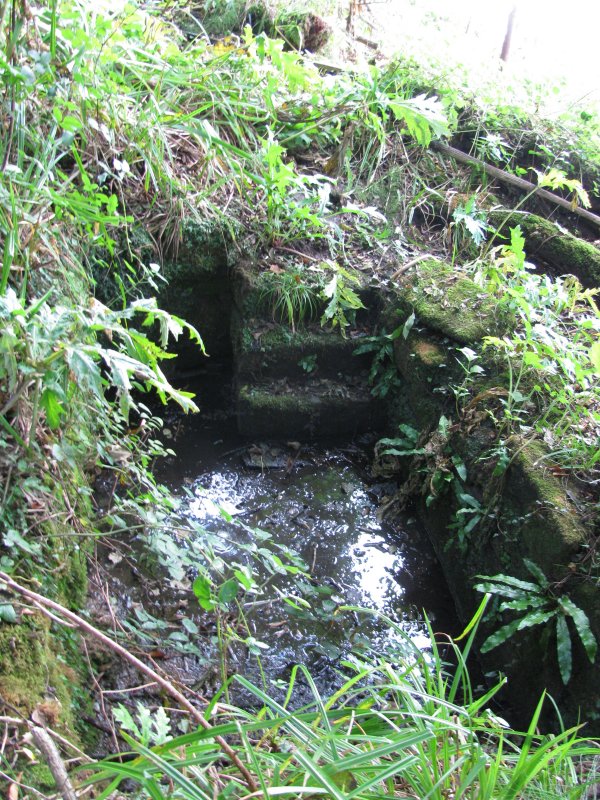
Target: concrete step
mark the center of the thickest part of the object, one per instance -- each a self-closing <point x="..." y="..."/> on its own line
<point x="265" y="349"/>
<point x="284" y="408"/>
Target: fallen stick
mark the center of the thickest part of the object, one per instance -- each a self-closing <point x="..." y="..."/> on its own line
<point x="513" y="180"/>
<point x="44" y="604"/>
<point x="55" y="763"/>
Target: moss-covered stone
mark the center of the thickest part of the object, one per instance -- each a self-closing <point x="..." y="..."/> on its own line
<point x="272" y="350"/>
<point x="306" y="409"/>
<point x="565" y="253"/>
<point x="33" y="668"/>
<point x="547" y="524"/>
<point x="427" y="368"/>
<point x="446" y="301"/>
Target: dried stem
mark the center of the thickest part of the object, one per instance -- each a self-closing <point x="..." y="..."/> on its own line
<point x="45" y="603"/>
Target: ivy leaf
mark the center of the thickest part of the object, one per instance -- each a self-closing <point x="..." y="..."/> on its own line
<point x="563" y="648"/>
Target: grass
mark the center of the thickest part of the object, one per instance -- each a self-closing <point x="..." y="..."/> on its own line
<point x="400" y="725"/>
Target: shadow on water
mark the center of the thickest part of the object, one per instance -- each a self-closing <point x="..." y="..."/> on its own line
<point x="321" y="502"/>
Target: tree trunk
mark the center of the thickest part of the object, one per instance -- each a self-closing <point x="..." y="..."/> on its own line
<point x="508" y="34"/>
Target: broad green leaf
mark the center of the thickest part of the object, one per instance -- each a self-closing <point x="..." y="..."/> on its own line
<point x="228" y="591"/>
<point x="536" y="618"/>
<point x="523" y="603"/>
<point x="516" y="583"/>
<point x="203" y="591"/>
<point x="582" y="624"/>
<point x="502" y="635"/>
<point x="563" y="648"/>
<point x="537" y="573"/>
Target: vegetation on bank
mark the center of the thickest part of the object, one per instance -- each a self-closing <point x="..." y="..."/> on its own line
<point x="117" y="130"/>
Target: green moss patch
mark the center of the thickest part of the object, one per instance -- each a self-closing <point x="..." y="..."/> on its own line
<point x="446" y="301"/>
<point x="565" y="253"/>
<point x="306" y="409"/>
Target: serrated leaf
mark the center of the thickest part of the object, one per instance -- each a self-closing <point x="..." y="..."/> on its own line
<point x="582" y="625"/>
<point x="563" y="648"/>
<point x="53" y="407"/>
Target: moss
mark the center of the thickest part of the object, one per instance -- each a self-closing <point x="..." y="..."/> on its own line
<point x="549" y="528"/>
<point x="39" y="776"/>
<point x="449" y="303"/>
<point x="277" y="351"/>
<point x="306" y="410"/>
<point x="425" y="364"/>
<point x="33" y="667"/>
<point x="565" y="253"/>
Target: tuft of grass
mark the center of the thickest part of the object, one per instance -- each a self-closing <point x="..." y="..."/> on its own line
<point x="402" y="725"/>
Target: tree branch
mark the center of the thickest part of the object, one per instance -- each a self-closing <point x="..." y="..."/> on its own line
<point x="45" y="604"/>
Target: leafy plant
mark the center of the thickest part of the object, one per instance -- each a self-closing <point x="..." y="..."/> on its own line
<point x="383" y="375"/>
<point x="148" y="728"/>
<point x="342" y="300"/>
<point x="537" y="603"/>
<point x="308" y="363"/>
<point x="397" y="725"/>
<point x="468" y="221"/>
<point x="403" y="445"/>
<point x="551" y="356"/>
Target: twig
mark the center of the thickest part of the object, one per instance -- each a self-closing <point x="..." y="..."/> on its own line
<point x="405" y="267"/>
<point x="514" y="180"/>
<point x="127" y="656"/>
<point x="27" y="788"/>
<point x="50" y="752"/>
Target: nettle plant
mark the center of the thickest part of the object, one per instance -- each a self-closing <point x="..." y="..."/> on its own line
<point x="537" y="602"/>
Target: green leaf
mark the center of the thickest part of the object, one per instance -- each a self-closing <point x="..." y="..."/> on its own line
<point x="8" y="613"/>
<point x="502" y="635"/>
<point x="228" y="591"/>
<point x="595" y="357"/>
<point x="407" y="327"/>
<point x="536" y="618"/>
<point x="203" y="591"/>
<point x="53" y="407"/>
<point x="537" y="573"/>
<point x="563" y="648"/>
<point x="582" y="625"/>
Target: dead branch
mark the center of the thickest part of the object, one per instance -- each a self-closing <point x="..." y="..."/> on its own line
<point x="45" y="603"/>
<point x="513" y="180"/>
<point x="52" y="757"/>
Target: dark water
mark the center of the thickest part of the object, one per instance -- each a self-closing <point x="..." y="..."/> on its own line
<point x="321" y="503"/>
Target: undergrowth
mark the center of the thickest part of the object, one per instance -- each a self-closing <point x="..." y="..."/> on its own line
<point x="401" y="724"/>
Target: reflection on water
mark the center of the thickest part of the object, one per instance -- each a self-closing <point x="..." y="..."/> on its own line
<point x="321" y="504"/>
